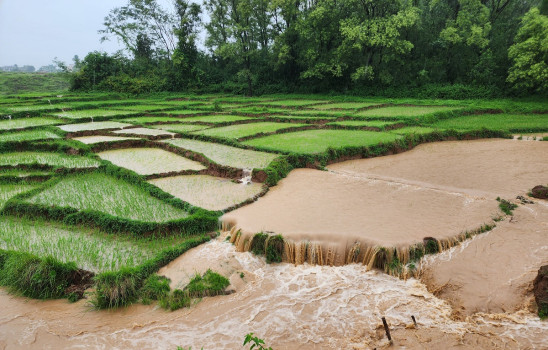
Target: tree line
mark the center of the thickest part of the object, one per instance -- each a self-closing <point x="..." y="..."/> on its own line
<point x="448" y="48"/>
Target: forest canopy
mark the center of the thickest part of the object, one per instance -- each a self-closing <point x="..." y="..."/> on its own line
<point x="436" y="48"/>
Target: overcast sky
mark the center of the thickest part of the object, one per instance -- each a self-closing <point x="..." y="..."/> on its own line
<point x="34" y="32"/>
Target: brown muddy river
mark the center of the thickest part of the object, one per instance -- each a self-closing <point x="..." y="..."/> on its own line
<point x="323" y="307"/>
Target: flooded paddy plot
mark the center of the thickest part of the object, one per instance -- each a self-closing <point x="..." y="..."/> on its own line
<point x="317" y="141"/>
<point x="90" y="140"/>
<point x="144" y="132"/>
<point x="180" y="112"/>
<point x="47" y="158"/>
<point x="489" y="168"/>
<point x="146" y="120"/>
<point x="93" y="126"/>
<point x="180" y="127"/>
<point x="91" y="113"/>
<point x="7" y="191"/>
<point x="90" y="249"/>
<point x="226" y="155"/>
<point x="21" y="123"/>
<point x="208" y="192"/>
<point x="97" y="191"/>
<point x="507" y="122"/>
<point x="243" y="130"/>
<point x="338" y="211"/>
<point x="404" y="111"/>
<point x="31" y="135"/>
<point x="143" y="108"/>
<point x="148" y="161"/>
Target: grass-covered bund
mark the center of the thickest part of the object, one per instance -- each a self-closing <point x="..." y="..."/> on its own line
<point x="72" y="220"/>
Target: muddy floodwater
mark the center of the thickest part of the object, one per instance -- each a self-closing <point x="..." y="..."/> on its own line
<point x="473" y="296"/>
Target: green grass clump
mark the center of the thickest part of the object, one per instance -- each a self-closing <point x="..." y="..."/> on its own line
<point x="504" y="122"/>
<point x="243" y="130"/>
<point x="21" y="123"/>
<point x="403" y="111"/>
<point x="507" y="207"/>
<point x="176" y="300"/>
<point x="226" y="155"/>
<point x="274" y="249"/>
<point x="47" y="158"/>
<point x="318" y="141"/>
<point x="30" y="135"/>
<point x="100" y="192"/>
<point x="258" y="243"/>
<point x="208" y="284"/>
<point x="33" y="277"/>
<point x="154" y="288"/>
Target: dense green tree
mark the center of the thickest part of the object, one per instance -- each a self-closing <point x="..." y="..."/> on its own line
<point x="529" y="54"/>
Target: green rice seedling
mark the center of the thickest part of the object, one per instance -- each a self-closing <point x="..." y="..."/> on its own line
<point x="208" y="192"/>
<point x="318" y="141"/>
<point x="292" y="103"/>
<point x="93" y="126"/>
<point x="345" y="105"/>
<point x="243" y="130"/>
<point x="301" y="118"/>
<point x="148" y="161"/>
<point x="7" y="191"/>
<point x="370" y="123"/>
<point x="180" y="112"/>
<point x="412" y="130"/>
<point x="226" y="155"/>
<point x="90" y="249"/>
<point x="215" y="119"/>
<point x="30" y="135"/>
<point x="144" y="108"/>
<point x="47" y="158"/>
<point x="404" y="111"/>
<point x="91" y="113"/>
<point x="90" y="140"/>
<point x="183" y="128"/>
<point x="322" y="113"/>
<point x="505" y="122"/>
<point x="37" y="108"/>
<point x="260" y="110"/>
<point x="100" y="192"/>
<point x="21" y="123"/>
<point x="143" y="132"/>
<point x="147" y="120"/>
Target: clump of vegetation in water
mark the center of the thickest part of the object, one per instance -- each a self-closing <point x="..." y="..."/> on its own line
<point x="255" y="342"/>
<point x="258" y="244"/>
<point x="208" y="284"/>
<point x="155" y="287"/>
<point x="507" y="207"/>
<point x="274" y="249"/>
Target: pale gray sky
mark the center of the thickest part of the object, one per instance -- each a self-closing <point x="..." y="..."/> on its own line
<point x="33" y="32"/>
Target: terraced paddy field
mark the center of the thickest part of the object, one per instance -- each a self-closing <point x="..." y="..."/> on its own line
<point x="208" y="192"/>
<point x="148" y="161"/>
<point x="93" y="126"/>
<point x="337" y="242"/>
<point x="226" y="155"/>
<point x="32" y="135"/>
<point x="46" y="158"/>
<point x="244" y="130"/>
<point x="318" y="141"/>
<point x="100" y="192"/>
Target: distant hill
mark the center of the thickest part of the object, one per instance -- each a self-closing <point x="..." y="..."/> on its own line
<point x="16" y="82"/>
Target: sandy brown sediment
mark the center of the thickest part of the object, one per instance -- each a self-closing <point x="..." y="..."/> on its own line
<point x="444" y="190"/>
<point x="494" y="272"/>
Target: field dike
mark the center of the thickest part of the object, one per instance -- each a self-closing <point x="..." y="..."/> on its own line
<point x="400" y="261"/>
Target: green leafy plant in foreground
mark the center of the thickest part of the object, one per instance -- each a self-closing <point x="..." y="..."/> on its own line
<point x="255" y="342"/>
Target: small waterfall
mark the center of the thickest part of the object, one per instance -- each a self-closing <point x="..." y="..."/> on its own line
<point x="9" y="117"/>
<point x="92" y="119"/>
<point x="246" y="177"/>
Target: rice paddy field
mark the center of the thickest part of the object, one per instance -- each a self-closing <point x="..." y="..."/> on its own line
<point x="151" y="174"/>
<point x="148" y="161"/>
